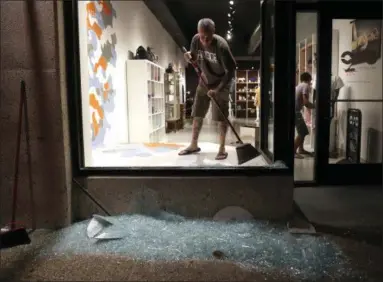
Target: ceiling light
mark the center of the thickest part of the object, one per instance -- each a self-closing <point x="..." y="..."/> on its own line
<point x="228" y="36"/>
<point x="229" y="22"/>
<point x="231" y="2"/>
<point x="229" y="15"/>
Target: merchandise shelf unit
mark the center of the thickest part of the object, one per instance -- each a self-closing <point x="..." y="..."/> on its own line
<point x="172" y="95"/>
<point x="306" y="50"/>
<point x="146" y="101"/>
<point x="246" y="83"/>
<point x="172" y="83"/>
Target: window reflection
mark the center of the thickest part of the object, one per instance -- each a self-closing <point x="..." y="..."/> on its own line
<point x="270" y="136"/>
<point x="267" y="106"/>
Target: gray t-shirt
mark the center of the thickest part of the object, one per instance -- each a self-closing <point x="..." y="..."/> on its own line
<point x="215" y="61"/>
<point x="302" y="89"/>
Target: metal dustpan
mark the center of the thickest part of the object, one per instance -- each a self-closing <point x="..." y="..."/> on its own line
<point x="13" y="237"/>
<point x="105" y="228"/>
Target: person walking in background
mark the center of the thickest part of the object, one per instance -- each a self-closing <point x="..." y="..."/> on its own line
<point x="302" y="92"/>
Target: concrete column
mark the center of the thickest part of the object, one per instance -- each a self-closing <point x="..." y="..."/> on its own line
<point x="47" y="115"/>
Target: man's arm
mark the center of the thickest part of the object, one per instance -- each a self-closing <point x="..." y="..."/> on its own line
<point x="336" y="85"/>
<point x="305" y="97"/>
<point x="194" y="47"/>
<point x="229" y="65"/>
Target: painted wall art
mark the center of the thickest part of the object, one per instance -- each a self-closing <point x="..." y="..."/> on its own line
<point x="102" y="59"/>
<point x="365" y="44"/>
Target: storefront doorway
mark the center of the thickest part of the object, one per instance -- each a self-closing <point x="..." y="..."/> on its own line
<point x="339" y="53"/>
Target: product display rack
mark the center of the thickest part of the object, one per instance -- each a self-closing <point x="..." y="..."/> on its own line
<point x="172" y="95"/>
<point x="146" y="101"/>
<point x="173" y="89"/>
<point x="246" y="83"/>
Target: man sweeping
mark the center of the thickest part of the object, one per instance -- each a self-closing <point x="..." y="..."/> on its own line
<point x="213" y="55"/>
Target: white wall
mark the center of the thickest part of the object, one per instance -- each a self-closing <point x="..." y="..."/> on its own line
<point x="134" y="25"/>
<point x="306" y="25"/>
<point x="137" y="26"/>
<point x="364" y="83"/>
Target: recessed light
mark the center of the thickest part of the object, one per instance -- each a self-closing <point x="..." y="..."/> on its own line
<point x="229" y="15"/>
<point x="231" y="2"/>
<point x="228" y="36"/>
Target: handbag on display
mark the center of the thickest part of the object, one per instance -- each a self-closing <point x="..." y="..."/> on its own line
<point x="151" y="56"/>
<point x="141" y="54"/>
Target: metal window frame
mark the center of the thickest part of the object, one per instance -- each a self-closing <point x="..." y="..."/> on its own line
<point x="284" y="57"/>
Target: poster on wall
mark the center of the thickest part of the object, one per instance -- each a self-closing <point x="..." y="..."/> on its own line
<point x="365" y="45"/>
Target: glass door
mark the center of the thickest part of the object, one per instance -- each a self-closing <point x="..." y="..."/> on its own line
<point x="349" y="93"/>
<point x="305" y="77"/>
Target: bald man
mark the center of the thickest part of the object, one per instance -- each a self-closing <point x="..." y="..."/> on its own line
<point x="213" y="55"/>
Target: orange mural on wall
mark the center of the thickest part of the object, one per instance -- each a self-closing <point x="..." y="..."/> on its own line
<point x="102" y="60"/>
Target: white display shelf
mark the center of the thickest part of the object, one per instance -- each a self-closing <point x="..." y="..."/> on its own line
<point x="146" y="101"/>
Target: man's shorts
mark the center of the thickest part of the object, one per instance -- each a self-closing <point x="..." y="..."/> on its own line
<point x="202" y="103"/>
<point x="300" y="125"/>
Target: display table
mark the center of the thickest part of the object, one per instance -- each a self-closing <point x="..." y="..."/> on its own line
<point x="174" y="124"/>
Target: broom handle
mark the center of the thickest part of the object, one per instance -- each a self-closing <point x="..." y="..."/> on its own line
<point x="17" y="159"/>
<point x="29" y="158"/>
<point x="199" y="72"/>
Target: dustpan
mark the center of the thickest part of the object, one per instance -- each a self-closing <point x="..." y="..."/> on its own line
<point x="245" y="151"/>
<point x="13" y="237"/>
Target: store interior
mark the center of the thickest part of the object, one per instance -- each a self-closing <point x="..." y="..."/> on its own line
<point x="138" y="91"/>
<point x="356" y="89"/>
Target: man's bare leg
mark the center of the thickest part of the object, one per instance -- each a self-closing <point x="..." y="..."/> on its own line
<point x="196" y="129"/>
<point x="298" y="142"/>
<point x="222" y="141"/>
<point x="301" y="149"/>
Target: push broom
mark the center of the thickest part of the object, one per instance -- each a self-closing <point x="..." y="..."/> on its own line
<point x="14" y="236"/>
<point x="245" y="151"/>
